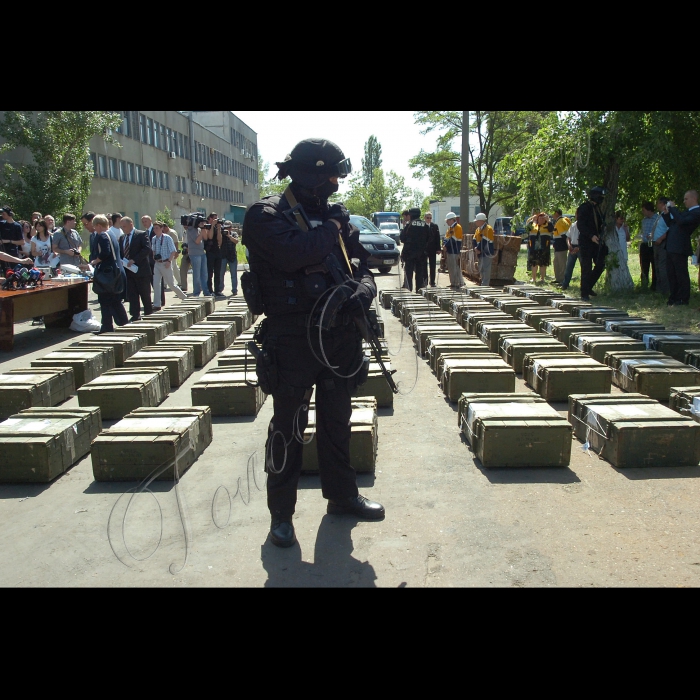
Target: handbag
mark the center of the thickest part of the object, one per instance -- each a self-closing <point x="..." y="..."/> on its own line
<point x="108" y="278"/>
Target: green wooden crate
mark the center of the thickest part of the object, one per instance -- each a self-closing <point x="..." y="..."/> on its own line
<point x="121" y="391"/>
<point x="519" y="290"/>
<point x="242" y="320"/>
<point x="229" y="392"/>
<point x="236" y="357"/>
<point x="571" y="306"/>
<point x="124" y="345"/>
<point x="683" y="401"/>
<point x="423" y="334"/>
<point x="556" y="377"/>
<point x="534" y="317"/>
<point x="152" y="441"/>
<point x="597" y="345"/>
<point x="204" y="345"/>
<point x="471" y="319"/>
<point x="459" y="309"/>
<point x="675" y="347"/>
<point x="207" y="304"/>
<point x="364" y="435"/>
<point x="562" y="330"/>
<point x="595" y="313"/>
<point x="39" y="444"/>
<point x="653" y="376"/>
<point x="514" y="348"/>
<point x="155" y="330"/>
<point x="640" y="435"/>
<point x="578" y="406"/>
<point x="377" y="387"/>
<point x="518" y="434"/>
<point x="467" y="375"/>
<point x="34" y="387"/>
<point x="493" y="333"/>
<point x="181" y="318"/>
<point x="177" y="358"/>
<point x="438" y="346"/>
<point x="467" y="398"/>
<point x="225" y="332"/>
<point x="513" y="307"/>
<point x="87" y="364"/>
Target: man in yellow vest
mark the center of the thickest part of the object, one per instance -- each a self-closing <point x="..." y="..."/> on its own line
<point x="483" y="245"/>
<point x="453" y="247"/>
<point x="561" y="250"/>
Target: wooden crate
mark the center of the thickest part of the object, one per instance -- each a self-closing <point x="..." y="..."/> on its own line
<point x="467" y="398"/>
<point x="204" y="345"/>
<point x="438" y="346"/>
<point x="182" y="318"/>
<point x="229" y="392"/>
<point x="480" y="373"/>
<point x="86" y="364"/>
<point x="39" y="444"/>
<point x="34" y="387"/>
<point x="225" y="332"/>
<point x="124" y="346"/>
<point x="555" y="377"/>
<point x="152" y="442"/>
<point x="121" y="391"/>
<point x="178" y="359"/>
<point x="514" y="348"/>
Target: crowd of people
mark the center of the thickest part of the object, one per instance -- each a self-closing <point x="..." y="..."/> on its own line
<point x="149" y="259"/>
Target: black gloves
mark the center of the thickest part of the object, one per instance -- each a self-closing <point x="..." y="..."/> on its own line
<point x="361" y="299"/>
<point x="340" y="214"/>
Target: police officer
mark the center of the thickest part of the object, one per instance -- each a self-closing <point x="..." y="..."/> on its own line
<point x="298" y="246"/>
<point x="592" y="248"/>
<point x="415" y="243"/>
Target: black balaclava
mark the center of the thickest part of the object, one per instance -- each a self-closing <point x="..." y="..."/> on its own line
<point x="597" y="195"/>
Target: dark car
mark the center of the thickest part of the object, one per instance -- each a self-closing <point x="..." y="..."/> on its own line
<point x="503" y="226"/>
<point x="382" y="250"/>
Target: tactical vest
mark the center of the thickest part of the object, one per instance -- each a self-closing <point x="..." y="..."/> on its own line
<point x="285" y="293"/>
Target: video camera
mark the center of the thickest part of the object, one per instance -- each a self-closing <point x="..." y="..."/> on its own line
<point x="222" y="223"/>
<point x="193" y="220"/>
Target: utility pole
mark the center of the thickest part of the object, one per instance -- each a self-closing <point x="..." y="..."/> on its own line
<point x="464" y="189"/>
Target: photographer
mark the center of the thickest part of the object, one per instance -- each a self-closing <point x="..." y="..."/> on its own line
<point x="213" y="240"/>
<point x="67" y="242"/>
<point x="195" y="250"/>
<point x="184" y="262"/>
<point x="229" y="258"/>
<point x="164" y="252"/>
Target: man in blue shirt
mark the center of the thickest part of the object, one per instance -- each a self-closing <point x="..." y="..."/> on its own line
<point x="646" y="247"/>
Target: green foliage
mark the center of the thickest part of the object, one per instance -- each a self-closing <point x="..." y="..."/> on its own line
<point x="166" y="216"/>
<point x="388" y="193"/>
<point x="60" y="175"/>
<point x="372" y="160"/>
<point x="269" y="186"/>
<point x="493" y="136"/>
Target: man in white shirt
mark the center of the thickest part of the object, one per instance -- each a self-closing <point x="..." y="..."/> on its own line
<point x="116" y="228"/>
<point x="164" y="252"/>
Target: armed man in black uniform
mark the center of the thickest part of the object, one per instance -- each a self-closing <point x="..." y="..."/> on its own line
<point x="308" y="274"/>
<point x="415" y="237"/>
<point x="592" y="248"/>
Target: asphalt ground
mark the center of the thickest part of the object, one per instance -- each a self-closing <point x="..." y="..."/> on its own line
<point x="450" y="522"/>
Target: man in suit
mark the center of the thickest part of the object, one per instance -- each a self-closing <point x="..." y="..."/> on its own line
<point x="434" y="245"/>
<point x="681" y="225"/>
<point x="88" y="226"/>
<point x="135" y="247"/>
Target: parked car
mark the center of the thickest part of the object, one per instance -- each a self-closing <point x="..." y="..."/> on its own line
<point x="382" y="250"/>
<point x="392" y="230"/>
<point x="503" y="226"/>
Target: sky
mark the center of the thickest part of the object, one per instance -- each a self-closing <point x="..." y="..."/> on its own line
<point x="400" y="138"/>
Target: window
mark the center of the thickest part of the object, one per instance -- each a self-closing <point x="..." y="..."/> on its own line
<point x="161" y="180"/>
<point x="183" y="184"/>
<point x="163" y="139"/>
<point x="209" y="191"/>
<point x="186" y="144"/>
<point x="139" y="176"/>
<point x="122" y="170"/>
<point x="166" y="180"/>
<point x="132" y="177"/>
<point x="156" y="138"/>
<point x="142" y="128"/>
<point x="93" y="159"/>
<point x="180" y="149"/>
<point x="127" y="124"/>
<point x="113" y="170"/>
<point x="154" y="178"/>
<point x="149" y="133"/>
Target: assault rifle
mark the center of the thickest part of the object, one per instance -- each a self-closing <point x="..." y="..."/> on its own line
<point x="369" y="331"/>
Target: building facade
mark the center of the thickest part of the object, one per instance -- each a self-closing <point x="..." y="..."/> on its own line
<point x="186" y="161"/>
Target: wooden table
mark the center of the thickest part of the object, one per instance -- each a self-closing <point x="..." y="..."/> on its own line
<point x="55" y="301"/>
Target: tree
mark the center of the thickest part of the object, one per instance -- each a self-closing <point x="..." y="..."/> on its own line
<point x="634" y="155"/>
<point x="166" y="216"/>
<point x="60" y="175"/>
<point x="372" y="160"/>
<point x="388" y="193"/>
<point x="272" y="185"/>
<point x="493" y="135"/>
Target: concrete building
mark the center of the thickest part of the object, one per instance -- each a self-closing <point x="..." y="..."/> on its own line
<point x="186" y="161"/>
<point x="440" y="209"/>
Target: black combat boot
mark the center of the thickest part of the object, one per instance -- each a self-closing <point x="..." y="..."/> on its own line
<point x="357" y="505"/>
<point x="282" y="533"/>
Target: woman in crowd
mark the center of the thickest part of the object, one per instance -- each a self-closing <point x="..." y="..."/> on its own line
<point x="26" y="245"/>
<point x="41" y="243"/>
<point x="623" y="233"/>
<point x="538" y="246"/>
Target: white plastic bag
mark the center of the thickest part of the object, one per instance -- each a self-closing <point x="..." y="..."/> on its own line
<point x="85" y="322"/>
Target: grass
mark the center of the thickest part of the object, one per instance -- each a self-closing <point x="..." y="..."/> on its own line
<point x="639" y="302"/>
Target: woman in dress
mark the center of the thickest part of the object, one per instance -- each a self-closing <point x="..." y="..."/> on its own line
<point x="41" y="244"/>
<point x="623" y="233"/>
<point x="26" y="246"/>
<point x="538" y="246"/>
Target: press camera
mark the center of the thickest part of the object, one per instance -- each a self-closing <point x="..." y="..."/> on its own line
<point x="193" y="220"/>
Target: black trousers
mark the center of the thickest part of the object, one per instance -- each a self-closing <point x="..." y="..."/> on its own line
<point x="138" y="291"/>
<point x="113" y="311"/>
<point x="298" y="371"/>
<point x="590" y="274"/>
<point x="419" y="268"/>
<point x="214" y="270"/>
<point x="678" y="278"/>
<point x="646" y="260"/>
<point x="432" y="259"/>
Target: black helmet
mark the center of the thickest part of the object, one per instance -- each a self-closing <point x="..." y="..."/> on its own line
<point x="414" y="213"/>
<point x="313" y="161"/>
<point x="597" y="193"/>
